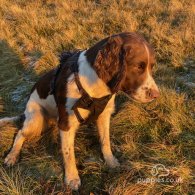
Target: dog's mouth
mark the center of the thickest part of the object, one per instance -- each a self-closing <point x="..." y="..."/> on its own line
<point x="141" y="100"/>
<point x="135" y="97"/>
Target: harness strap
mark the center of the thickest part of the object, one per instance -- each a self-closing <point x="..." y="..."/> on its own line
<point x="77" y="114"/>
<point x="94" y="105"/>
<point x="53" y="81"/>
<point x="78" y="83"/>
<point x="63" y="58"/>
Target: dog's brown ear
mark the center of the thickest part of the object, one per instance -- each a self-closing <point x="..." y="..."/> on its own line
<point x="109" y="62"/>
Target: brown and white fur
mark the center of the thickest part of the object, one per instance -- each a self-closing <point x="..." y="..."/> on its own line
<point x="97" y="66"/>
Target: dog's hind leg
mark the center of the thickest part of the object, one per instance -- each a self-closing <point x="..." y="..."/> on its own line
<point x="13" y="154"/>
<point x="33" y="124"/>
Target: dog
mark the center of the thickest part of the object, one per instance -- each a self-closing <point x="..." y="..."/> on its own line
<point x="84" y="86"/>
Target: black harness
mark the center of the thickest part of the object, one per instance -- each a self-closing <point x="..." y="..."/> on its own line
<point x="94" y="105"/>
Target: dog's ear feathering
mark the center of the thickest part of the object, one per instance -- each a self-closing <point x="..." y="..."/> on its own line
<point x="109" y="62"/>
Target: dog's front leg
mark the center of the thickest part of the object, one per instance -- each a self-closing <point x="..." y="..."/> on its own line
<point x="103" y="124"/>
<point x="67" y="143"/>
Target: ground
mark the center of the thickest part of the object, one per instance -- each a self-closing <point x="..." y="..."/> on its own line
<point x="145" y="137"/>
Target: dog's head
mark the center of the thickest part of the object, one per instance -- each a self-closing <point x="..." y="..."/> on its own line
<point x="124" y="62"/>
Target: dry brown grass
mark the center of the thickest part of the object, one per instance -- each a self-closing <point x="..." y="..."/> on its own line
<point x="32" y="34"/>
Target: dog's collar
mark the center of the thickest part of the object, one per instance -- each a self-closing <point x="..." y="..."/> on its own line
<point x="95" y="105"/>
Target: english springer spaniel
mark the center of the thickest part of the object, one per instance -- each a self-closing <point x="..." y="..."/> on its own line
<point x="83" y="87"/>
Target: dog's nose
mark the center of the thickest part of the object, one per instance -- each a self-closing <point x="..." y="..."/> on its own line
<point x="154" y="93"/>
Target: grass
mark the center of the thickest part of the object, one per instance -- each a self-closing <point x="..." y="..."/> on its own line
<point x="33" y="33"/>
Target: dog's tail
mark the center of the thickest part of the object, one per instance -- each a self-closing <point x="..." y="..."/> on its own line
<point x="6" y="120"/>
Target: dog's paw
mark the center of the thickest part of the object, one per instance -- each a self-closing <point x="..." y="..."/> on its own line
<point x="11" y="159"/>
<point x="112" y="162"/>
<point x="73" y="183"/>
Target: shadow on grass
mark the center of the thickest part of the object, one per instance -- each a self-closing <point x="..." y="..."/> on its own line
<point x="16" y="81"/>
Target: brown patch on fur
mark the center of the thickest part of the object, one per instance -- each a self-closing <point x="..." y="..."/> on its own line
<point x="43" y="84"/>
<point x="43" y="87"/>
<point x="67" y="60"/>
<point x="105" y="59"/>
<point x="60" y="97"/>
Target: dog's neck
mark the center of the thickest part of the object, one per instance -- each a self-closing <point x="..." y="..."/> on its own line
<point x="93" y="85"/>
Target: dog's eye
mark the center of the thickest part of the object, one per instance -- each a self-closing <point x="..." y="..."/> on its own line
<point x="141" y="65"/>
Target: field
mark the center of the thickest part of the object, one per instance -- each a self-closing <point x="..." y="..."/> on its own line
<point x="32" y="35"/>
